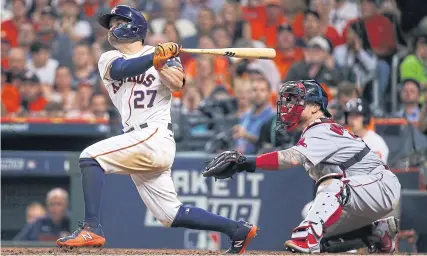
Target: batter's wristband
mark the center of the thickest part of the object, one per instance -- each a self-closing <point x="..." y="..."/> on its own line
<point x="269" y="161"/>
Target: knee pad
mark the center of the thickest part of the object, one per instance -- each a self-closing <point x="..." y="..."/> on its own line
<point x="332" y="185"/>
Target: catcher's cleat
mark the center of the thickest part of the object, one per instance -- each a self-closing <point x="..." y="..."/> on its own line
<point x="386" y="229"/>
<point x="244" y="235"/>
<point x="303" y="245"/>
<point x="84" y="236"/>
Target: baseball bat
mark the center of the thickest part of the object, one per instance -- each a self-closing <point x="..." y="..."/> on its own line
<point x="246" y="53"/>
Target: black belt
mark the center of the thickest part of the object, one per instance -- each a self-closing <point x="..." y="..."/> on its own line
<point x="145" y="125"/>
<point x="355" y="159"/>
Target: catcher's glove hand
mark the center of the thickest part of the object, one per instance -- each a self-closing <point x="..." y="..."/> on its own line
<point x="163" y="52"/>
<point x="227" y="164"/>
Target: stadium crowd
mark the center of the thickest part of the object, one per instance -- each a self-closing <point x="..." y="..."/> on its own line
<point x="50" y="50"/>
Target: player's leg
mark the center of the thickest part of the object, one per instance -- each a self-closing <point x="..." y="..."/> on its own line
<point x="158" y="193"/>
<point x="372" y="197"/>
<point x="365" y="199"/>
<point x="120" y="154"/>
<point x="326" y="209"/>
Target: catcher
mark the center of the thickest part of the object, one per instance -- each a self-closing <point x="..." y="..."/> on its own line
<point x="355" y="189"/>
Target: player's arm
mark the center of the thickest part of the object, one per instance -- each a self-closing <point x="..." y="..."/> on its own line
<point x="172" y="75"/>
<point x="121" y="68"/>
<point x="279" y="160"/>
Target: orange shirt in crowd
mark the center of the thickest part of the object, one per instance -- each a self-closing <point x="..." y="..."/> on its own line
<point x="259" y="28"/>
<point x="284" y="60"/>
<point x="10" y="98"/>
<point x="298" y="25"/>
<point x="380" y="31"/>
<point x="38" y="104"/>
<point x="4" y="63"/>
<point x="221" y="73"/>
<point x="332" y="34"/>
<point x="90" y="9"/>
<point x="9" y="31"/>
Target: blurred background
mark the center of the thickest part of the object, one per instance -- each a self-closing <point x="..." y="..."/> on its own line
<point x="371" y="53"/>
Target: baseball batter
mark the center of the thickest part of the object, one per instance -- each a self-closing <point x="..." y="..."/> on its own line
<point x="355" y="188"/>
<point x="140" y="79"/>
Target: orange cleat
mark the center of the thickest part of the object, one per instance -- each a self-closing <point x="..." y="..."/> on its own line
<point x="244" y="235"/>
<point x="84" y="236"/>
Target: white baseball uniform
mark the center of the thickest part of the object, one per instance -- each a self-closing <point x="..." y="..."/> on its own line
<point x="374" y="190"/>
<point x="147" y="153"/>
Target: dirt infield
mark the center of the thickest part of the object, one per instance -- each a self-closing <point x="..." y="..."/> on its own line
<point x="105" y="251"/>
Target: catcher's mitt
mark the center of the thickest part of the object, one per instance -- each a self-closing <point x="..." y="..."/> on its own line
<point x="163" y="52"/>
<point x="226" y="165"/>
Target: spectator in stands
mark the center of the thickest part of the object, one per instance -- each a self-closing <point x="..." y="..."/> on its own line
<point x="415" y="65"/>
<point x="54" y="110"/>
<point x="212" y="69"/>
<point x="346" y="92"/>
<point x="380" y="30"/>
<point x="92" y="9"/>
<point x="422" y="122"/>
<point x="34" y="13"/>
<point x="342" y="12"/>
<point x="287" y="53"/>
<point x="31" y="94"/>
<point x="17" y="61"/>
<point x="171" y="11"/>
<point x="193" y="8"/>
<point x="409" y="96"/>
<point x="318" y="64"/>
<point x="191" y="99"/>
<point x="223" y="39"/>
<point x="10" y="28"/>
<point x="60" y="43"/>
<point x="82" y="102"/>
<point x="26" y="36"/>
<point x="265" y="29"/>
<point x="96" y="52"/>
<point x="252" y="12"/>
<point x="246" y="133"/>
<point x="34" y="211"/>
<point x="354" y="58"/>
<point x="266" y="68"/>
<point x="205" y="26"/>
<point x="54" y="225"/>
<point x="230" y="18"/>
<point x="358" y="117"/>
<point x="98" y="107"/>
<point x="84" y="69"/>
<point x="205" y="78"/>
<point x="70" y="24"/>
<point x="272" y="139"/>
<point x="42" y="64"/>
<point x="63" y="92"/>
<point x="244" y="95"/>
<point x="172" y="33"/>
<point x="316" y="23"/>
<point x="294" y="14"/>
<point x="5" y="48"/>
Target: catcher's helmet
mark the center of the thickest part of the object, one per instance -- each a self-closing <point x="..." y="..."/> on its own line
<point x="293" y="97"/>
<point x="135" y="29"/>
<point x="360" y="107"/>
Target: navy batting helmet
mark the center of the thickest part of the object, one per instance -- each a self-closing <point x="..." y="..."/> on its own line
<point x="135" y="29"/>
<point x="293" y="97"/>
<point x="359" y="107"/>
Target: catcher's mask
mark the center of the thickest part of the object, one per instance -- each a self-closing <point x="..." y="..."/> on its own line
<point x="290" y="104"/>
<point x="293" y="97"/>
